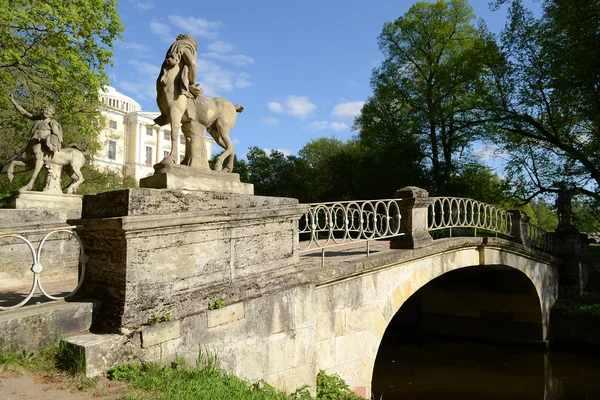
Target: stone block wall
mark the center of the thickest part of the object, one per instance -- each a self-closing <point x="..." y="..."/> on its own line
<point x="59" y="256"/>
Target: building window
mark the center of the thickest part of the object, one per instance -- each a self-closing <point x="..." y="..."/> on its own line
<point x="167" y="136"/>
<point x="149" y="131"/>
<point x="181" y="140"/>
<point x="166" y="153"/>
<point x="148" y="155"/>
<point x="112" y="124"/>
<point x="112" y="150"/>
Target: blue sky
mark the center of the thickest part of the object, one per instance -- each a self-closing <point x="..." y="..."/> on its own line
<point x="300" y="68"/>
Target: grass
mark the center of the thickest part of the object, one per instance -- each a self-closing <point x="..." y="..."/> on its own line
<point x="205" y="381"/>
<point x="177" y="381"/>
<point x="56" y="360"/>
<point x="594" y="250"/>
<point x="586" y="305"/>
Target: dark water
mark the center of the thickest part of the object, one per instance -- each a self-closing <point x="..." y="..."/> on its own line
<point x="454" y="369"/>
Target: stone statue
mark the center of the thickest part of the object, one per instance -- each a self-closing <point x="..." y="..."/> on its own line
<point x="175" y="85"/>
<point x="44" y="148"/>
<point x="181" y="104"/>
<point x="563" y="206"/>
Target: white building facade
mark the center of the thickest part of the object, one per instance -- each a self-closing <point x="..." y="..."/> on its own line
<point x="132" y="142"/>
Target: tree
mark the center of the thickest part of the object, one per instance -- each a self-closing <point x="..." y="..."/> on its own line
<point x="54" y="51"/>
<point x="546" y="102"/>
<point x="433" y="74"/>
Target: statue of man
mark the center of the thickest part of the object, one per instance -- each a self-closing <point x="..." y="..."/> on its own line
<point x="563" y="206"/>
<point x="183" y="51"/>
<point x="46" y="135"/>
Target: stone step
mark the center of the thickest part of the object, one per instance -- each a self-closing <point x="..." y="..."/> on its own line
<point x="95" y="353"/>
<point x="37" y="326"/>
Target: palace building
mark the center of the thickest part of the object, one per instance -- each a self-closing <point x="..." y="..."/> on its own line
<point x="132" y="142"/>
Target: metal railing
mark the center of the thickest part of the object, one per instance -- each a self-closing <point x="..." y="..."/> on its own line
<point x="539" y="238"/>
<point x="37" y="266"/>
<point x="326" y="225"/>
<point x="457" y="212"/>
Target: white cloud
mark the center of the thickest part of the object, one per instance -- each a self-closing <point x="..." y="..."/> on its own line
<point x="143" y="90"/>
<point x="137" y="47"/>
<point x="214" y="79"/>
<point x="219" y="46"/>
<point x="243" y="80"/>
<point x="276" y="107"/>
<point x="339" y="126"/>
<point x="197" y="27"/>
<point x="235" y="141"/>
<point x="144" y="67"/>
<point x="236" y="59"/>
<point x="348" y="109"/>
<point x="296" y="106"/>
<point x="143" y="5"/>
<point x="271" y="121"/>
<point x="317" y="126"/>
<point x="162" y="30"/>
<point x="286" y="152"/>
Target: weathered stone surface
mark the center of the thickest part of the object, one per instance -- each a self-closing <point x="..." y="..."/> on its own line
<point x="34" y="327"/>
<point x="182" y="177"/>
<point x="154" y="261"/>
<point x="226" y="315"/>
<point x="352" y="314"/>
<point x="413" y="221"/>
<point x="98" y="352"/>
<point x="22" y="200"/>
<point x="60" y="252"/>
<point x="143" y="201"/>
<point x="153" y="335"/>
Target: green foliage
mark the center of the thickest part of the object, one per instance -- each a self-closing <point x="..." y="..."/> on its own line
<point x="179" y="381"/>
<point x="43" y="360"/>
<point x="427" y="91"/>
<point x="155" y="319"/>
<point x="586" y="305"/>
<point x="217" y="304"/>
<point x="594" y="250"/>
<point x="332" y="387"/>
<point x="545" y="107"/>
<point x="54" y="52"/>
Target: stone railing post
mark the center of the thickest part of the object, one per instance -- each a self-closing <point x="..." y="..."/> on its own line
<point x="413" y="222"/>
<point x="518" y="230"/>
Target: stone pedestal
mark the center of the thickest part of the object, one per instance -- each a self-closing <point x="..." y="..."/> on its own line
<point x="44" y="201"/>
<point x="174" y="252"/>
<point x="574" y="272"/>
<point x="413" y="222"/>
<point x="182" y="177"/>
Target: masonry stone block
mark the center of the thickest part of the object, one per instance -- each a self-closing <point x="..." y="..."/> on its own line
<point x="153" y="335"/>
<point x="226" y="314"/>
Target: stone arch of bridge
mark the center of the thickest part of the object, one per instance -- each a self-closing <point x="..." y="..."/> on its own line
<point x="362" y="307"/>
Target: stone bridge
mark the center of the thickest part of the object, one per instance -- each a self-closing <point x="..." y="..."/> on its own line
<point x="300" y="297"/>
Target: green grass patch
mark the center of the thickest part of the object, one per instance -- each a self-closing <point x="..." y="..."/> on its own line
<point x="586" y="305"/>
<point x="44" y="360"/>
<point x="594" y="250"/>
<point x="179" y="381"/>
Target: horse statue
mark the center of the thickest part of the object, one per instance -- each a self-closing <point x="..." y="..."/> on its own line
<point x="218" y="116"/>
<point x="71" y="159"/>
<point x="178" y="98"/>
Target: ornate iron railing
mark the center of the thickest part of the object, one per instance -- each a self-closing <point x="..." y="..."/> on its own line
<point x="37" y="266"/>
<point x="332" y="224"/>
<point x="539" y="238"/>
<point x="456" y="212"/>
